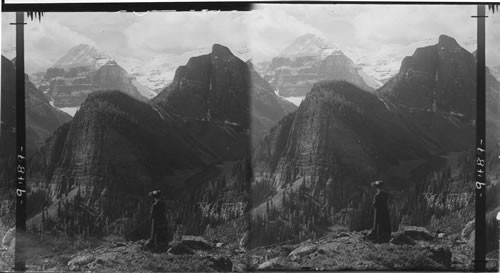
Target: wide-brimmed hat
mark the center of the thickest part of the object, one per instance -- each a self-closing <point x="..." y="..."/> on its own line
<point x="377" y="184"/>
<point x="155" y="193"/>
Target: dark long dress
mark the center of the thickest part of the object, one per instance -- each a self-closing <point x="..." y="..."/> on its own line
<point x="159" y="223"/>
<point x="382" y="221"/>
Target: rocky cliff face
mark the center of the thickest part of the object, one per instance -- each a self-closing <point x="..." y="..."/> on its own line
<point x="219" y="89"/>
<point x="83" y="70"/>
<point x="214" y="86"/>
<point x="338" y="126"/>
<point x="116" y="149"/>
<point x="436" y="78"/>
<point x="436" y="89"/>
<point x="41" y="118"/>
<point x="41" y="121"/>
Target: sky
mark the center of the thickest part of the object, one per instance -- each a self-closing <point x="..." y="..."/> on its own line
<point x="133" y="35"/>
<point x="266" y="31"/>
<point x="369" y="27"/>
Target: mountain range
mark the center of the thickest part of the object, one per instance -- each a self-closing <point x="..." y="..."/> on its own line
<point x="185" y="141"/>
<point x="220" y="133"/>
<point x="158" y="72"/>
<point x="83" y="70"/>
<point x="318" y="161"/>
<point x="310" y="59"/>
<point x="375" y="67"/>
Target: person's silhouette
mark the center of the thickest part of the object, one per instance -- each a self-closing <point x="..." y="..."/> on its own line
<point x="158" y="221"/>
<point x="381" y="222"/>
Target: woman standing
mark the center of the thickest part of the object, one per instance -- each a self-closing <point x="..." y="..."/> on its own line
<point x="382" y="222"/>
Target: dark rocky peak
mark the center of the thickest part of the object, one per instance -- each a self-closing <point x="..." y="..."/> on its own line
<point x="423" y="59"/>
<point x="447" y="42"/>
<point x="439" y="77"/>
<point x="221" y="51"/>
<point x="216" y="85"/>
<point x="7" y="63"/>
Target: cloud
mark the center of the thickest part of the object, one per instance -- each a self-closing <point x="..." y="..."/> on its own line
<point x="266" y="31"/>
<point x="178" y="32"/>
<point x="398" y="24"/>
<point x="45" y="42"/>
<point x="126" y="34"/>
<point x="272" y="28"/>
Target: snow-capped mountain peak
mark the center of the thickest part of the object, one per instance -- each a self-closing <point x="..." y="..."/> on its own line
<point x="309" y="45"/>
<point x="83" y="55"/>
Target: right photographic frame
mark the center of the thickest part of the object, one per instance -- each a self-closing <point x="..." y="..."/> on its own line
<point x="379" y="165"/>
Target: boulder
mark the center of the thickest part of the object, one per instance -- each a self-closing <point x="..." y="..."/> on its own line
<point x="417" y="233"/>
<point x="301" y="252"/>
<point x="441" y="255"/>
<point x="178" y="248"/>
<point x="76" y="263"/>
<point x="196" y="242"/>
<point x="221" y="264"/>
<point x="399" y="238"/>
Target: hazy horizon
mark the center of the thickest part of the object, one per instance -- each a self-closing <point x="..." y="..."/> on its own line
<point x="264" y="31"/>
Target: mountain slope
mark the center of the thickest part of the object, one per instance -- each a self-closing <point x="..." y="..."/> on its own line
<point x="116" y="149"/>
<point x="267" y="108"/>
<point x="338" y="126"/>
<point x="41" y="121"/>
<point x="41" y="118"/>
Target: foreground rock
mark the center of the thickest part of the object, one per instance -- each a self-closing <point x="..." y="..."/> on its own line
<point x="350" y="251"/>
<point x="132" y="257"/>
<point x="178" y="248"/>
<point x="334" y="252"/>
<point x="196" y="242"/>
<point x="399" y="238"/>
<point x="417" y="233"/>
